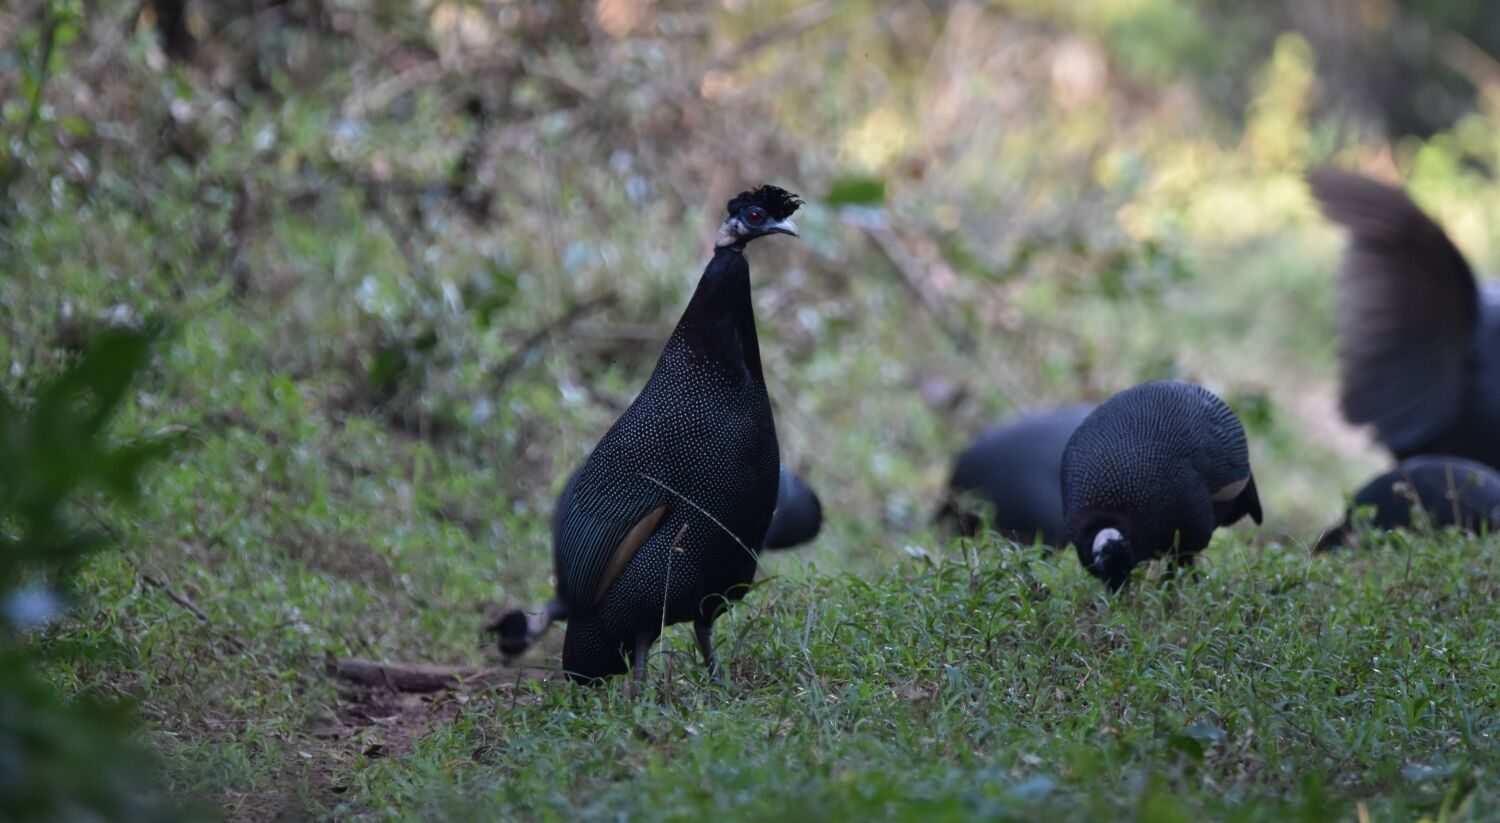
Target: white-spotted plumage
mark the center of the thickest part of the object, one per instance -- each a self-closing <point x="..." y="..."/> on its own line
<point x="1152" y="465"/>
<point x="659" y="524"/>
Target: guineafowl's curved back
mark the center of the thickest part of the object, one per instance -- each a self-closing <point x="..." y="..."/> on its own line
<point x="1445" y="491"/>
<point x="1014" y="468"/>
<point x="1147" y="431"/>
<point x="1162" y="464"/>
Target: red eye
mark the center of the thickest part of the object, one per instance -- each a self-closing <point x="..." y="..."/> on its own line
<point x="755" y="215"/>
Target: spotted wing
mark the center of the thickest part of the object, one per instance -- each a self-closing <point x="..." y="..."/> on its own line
<point x="593" y="543"/>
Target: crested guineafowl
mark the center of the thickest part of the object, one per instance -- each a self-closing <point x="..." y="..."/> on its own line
<point x="798" y="516"/>
<point x="1151" y="473"/>
<point x="1445" y="491"/>
<point x="661" y="523"/>
<point x="1011" y="472"/>
<point x="1419" y="341"/>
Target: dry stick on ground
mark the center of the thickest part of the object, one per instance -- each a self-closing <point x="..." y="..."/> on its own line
<point x="176" y="597"/>
<point x="414" y="677"/>
<point x="184" y="601"/>
<point x="161" y="585"/>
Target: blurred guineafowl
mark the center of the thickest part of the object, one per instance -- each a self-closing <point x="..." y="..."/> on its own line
<point x="1012" y="470"/>
<point x="661" y="523"/>
<point x="1419" y="341"/>
<point x="798" y="515"/>
<point x="1445" y="491"/>
<point x="1151" y="473"/>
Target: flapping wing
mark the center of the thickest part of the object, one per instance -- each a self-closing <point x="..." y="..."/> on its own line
<point x="1407" y="308"/>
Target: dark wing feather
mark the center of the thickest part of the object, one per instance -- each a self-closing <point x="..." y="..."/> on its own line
<point x="1406" y="315"/>
<point x="590" y="547"/>
<point x="1247" y="502"/>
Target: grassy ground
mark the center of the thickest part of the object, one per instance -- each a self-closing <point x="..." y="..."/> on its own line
<point x="1004" y="686"/>
<point x="383" y="386"/>
<point x="988" y="682"/>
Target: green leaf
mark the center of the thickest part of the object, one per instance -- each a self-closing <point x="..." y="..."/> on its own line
<point x="75" y="126"/>
<point x="66" y="33"/>
<point x="1189" y="746"/>
<point x="855" y="191"/>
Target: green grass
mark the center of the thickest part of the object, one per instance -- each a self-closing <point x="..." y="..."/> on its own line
<point x="991" y="681"/>
<point x="1007" y="686"/>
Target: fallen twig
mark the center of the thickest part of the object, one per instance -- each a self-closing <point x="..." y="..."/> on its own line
<point x="413" y="677"/>
<point x="180" y="599"/>
<point x="187" y="603"/>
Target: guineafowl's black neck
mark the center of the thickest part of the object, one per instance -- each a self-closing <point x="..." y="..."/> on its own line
<point x="719" y="322"/>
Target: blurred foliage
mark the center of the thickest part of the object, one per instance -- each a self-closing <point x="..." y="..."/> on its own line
<point x="70" y="760"/>
<point x="54" y="447"/>
<point x="65" y="760"/>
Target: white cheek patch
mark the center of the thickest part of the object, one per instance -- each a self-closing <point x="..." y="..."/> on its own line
<point x="1231" y="491"/>
<point x="536" y="624"/>
<point x="1104" y="537"/>
<point x="729" y="233"/>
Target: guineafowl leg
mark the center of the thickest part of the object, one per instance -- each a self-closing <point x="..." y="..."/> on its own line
<point x="1181" y="564"/>
<point x="638" y="661"/>
<point x="703" y="629"/>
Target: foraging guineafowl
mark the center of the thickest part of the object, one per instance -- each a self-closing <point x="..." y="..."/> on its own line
<point x="798" y="515"/>
<point x="1151" y="473"/>
<point x="1013" y="469"/>
<point x="1419" y="341"/>
<point x="1449" y="491"/>
<point x="661" y="523"/>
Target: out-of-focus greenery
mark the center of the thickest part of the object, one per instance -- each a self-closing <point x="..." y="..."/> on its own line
<point x="419" y="255"/>
<point x="64" y="760"/>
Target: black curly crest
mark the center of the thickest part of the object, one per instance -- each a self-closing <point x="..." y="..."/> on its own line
<point x="778" y="202"/>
